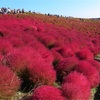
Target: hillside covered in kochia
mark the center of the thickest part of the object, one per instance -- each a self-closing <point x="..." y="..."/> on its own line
<point x="50" y="57"/>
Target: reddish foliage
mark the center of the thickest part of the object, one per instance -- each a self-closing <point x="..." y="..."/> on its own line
<point x="96" y="64"/>
<point x="43" y="51"/>
<point x="16" y="42"/>
<point x="1" y="57"/>
<point x="47" y="55"/>
<point x="96" y="48"/>
<point x="65" y="51"/>
<point x="16" y="60"/>
<point x="75" y="91"/>
<point x="57" y="57"/>
<point x="90" y="72"/>
<point x="75" y="77"/>
<point x="5" y="46"/>
<point x="9" y="82"/>
<point x="85" y="54"/>
<point x="31" y="28"/>
<point x="76" y="87"/>
<point x="41" y="72"/>
<point x="75" y="46"/>
<point x="67" y="64"/>
<point x="42" y="41"/>
<point x="47" y="93"/>
<point x="48" y="40"/>
<point x="28" y="38"/>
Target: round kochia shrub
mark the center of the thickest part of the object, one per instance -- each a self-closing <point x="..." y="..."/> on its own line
<point x="42" y="50"/>
<point x="1" y="56"/>
<point x="5" y="46"/>
<point x="91" y="73"/>
<point x="96" y="64"/>
<point x="48" y="41"/>
<point x="74" y="92"/>
<point x="16" y="60"/>
<point x="47" y="93"/>
<point x="57" y="57"/>
<point x="65" y="51"/>
<point x="9" y="82"/>
<point x="65" y="66"/>
<point x="76" y="87"/>
<point x="85" y="54"/>
<point x="41" y="73"/>
<point x="16" y="42"/>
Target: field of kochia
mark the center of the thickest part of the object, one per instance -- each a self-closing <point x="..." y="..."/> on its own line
<point x="49" y="58"/>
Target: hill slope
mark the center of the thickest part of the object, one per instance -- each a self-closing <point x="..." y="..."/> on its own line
<point x="45" y="50"/>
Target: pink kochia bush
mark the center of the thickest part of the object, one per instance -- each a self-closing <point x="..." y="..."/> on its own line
<point x="76" y="87"/>
<point x="16" y="42"/>
<point x="47" y="40"/>
<point x="16" y="60"/>
<point x="90" y="72"/>
<point x="67" y="64"/>
<point x="96" y="64"/>
<point x="47" y="55"/>
<point x="1" y="56"/>
<point x="75" y="46"/>
<point x="41" y="72"/>
<point x="42" y="50"/>
<point x="56" y="55"/>
<point x="9" y="82"/>
<point x="47" y="93"/>
<point x="65" y="51"/>
<point x="85" y="54"/>
<point x="5" y="46"/>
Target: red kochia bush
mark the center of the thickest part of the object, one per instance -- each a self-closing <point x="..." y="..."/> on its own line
<point x="47" y="55"/>
<point x="5" y="46"/>
<point x="66" y="65"/>
<point x="48" y="40"/>
<point x="75" y="46"/>
<point x="75" y="92"/>
<point x="9" y="82"/>
<point x="65" y="51"/>
<point x="76" y="87"/>
<point x="47" y="93"/>
<point x="41" y="72"/>
<point x="84" y="54"/>
<point x="31" y="28"/>
<point x="75" y="77"/>
<point x="57" y="57"/>
<point x="43" y="51"/>
<point x="1" y="59"/>
<point x="16" y="42"/>
<point x="96" y="64"/>
<point x="16" y="60"/>
<point x="91" y="73"/>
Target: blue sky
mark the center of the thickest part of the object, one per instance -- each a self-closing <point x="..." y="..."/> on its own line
<point x="75" y="8"/>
